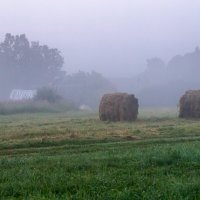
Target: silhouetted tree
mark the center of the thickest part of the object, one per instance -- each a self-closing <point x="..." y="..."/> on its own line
<point x="155" y="64"/>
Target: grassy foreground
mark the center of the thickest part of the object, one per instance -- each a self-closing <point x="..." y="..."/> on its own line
<point x="75" y="156"/>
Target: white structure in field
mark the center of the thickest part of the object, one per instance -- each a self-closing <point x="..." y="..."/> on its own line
<point x="84" y="107"/>
<point x="18" y="95"/>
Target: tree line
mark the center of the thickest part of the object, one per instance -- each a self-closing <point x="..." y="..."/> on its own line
<point x="162" y="84"/>
<point x="30" y="65"/>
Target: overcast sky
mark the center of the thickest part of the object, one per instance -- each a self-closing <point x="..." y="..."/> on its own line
<point x="113" y="37"/>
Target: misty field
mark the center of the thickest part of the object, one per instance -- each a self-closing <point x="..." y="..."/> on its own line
<point x="73" y="155"/>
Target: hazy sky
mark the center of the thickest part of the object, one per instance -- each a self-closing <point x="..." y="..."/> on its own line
<point x="113" y="37"/>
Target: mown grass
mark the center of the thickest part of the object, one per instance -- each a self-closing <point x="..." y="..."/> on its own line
<point x="75" y="156"/>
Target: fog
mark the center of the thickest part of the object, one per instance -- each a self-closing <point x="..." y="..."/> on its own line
<point x="84" y="49"/>
<point x="113" y="37"/>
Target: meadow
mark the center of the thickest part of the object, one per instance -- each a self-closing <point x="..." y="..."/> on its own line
<point x="73" y="155"/>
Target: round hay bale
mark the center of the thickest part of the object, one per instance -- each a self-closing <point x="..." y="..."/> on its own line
<point x="189" y="104"/>
<point x="118" y="107"/>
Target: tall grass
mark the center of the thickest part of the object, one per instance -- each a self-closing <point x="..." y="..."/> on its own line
<point x="7" y="108"/>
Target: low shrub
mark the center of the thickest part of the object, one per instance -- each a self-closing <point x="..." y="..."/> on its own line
<point x="47" y="94"/>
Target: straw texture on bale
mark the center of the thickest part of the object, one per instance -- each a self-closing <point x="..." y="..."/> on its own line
<point x="190" y="104"/>
<point x="118" y="107"/>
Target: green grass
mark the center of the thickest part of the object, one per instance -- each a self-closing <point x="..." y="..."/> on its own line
<point x="76" y="156"/>
<point x="18" y="107"/>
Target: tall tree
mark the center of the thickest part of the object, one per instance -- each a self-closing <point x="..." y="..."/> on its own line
<point x="27" y="65"/>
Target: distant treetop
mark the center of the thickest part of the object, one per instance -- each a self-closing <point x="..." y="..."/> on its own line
<point x="28" y="64"/>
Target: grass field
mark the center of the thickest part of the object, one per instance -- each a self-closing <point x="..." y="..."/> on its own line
<point x="75" y="156"/>
<point x="18" y="107"/>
